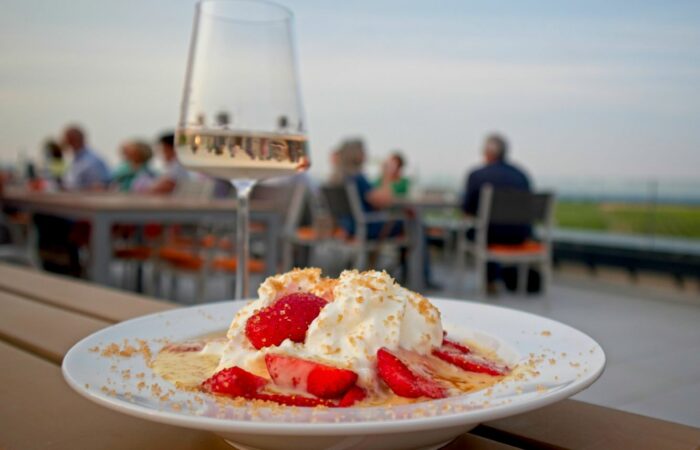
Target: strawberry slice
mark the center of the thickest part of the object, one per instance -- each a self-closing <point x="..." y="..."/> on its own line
<point x="354" y="395"/>
<point x="471" y="362"/>
<point x="234" y="381"/>
<point x="288" y="318"/>
<point x="315" y="378"/>
<point x="402" y="380"/>
<point x="454" y="345"/>
<point x="293" y="400"/>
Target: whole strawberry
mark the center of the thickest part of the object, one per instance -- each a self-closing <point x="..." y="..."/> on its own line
<point x="287" y="318"/>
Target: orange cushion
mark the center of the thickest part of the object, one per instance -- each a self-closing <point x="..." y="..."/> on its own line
<point x="179" y="256"/>
<point x="307" y="233"/>
<point x="525" y="247"/>
<point x="230" y="265"/>
<point x="435" y="232"/>
<point x="189" y="261"/>
<point x="310" y="233"/>
<point x="257" y="227"/>
<point x="208" y="241"/>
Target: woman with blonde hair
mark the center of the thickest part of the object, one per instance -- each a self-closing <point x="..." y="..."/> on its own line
<point x="134" y="174"/>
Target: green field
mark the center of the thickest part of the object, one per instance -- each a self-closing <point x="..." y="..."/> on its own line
<point x="661" y="220"/>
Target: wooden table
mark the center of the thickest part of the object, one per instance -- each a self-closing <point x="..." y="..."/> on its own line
<point x="42" y="316"/>
<point x="106" y="209"/>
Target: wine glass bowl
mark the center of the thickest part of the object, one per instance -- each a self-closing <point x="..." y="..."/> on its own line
<point x="241" y="116"/>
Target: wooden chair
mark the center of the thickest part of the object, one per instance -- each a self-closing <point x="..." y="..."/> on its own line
<point x="343" y="202"/>
<point x="510" y="207"/>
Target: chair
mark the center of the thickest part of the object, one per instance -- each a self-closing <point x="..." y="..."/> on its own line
<point x="510" y="207"/>
<point x="210" y="251"/>
<point x="203" y="260"/>
<point x="138" y="246"/>
<point x="20" y="238"/>
<point x="307" y="225"/>
<point x="343" y="201"/>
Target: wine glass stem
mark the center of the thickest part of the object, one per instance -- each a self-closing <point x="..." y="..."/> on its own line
<point x="243" y="188"/>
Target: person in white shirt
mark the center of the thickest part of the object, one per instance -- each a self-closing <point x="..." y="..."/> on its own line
<point x="173" y="171"/>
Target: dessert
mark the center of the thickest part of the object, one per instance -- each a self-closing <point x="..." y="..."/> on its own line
<point x="357" y="340"/>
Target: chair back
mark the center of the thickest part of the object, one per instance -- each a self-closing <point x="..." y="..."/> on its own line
<point x="288" y="198"/>
<point x="513" y="207"/>
<point x="337" y="201"/>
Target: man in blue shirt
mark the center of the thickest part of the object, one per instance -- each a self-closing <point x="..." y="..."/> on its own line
<point x="87" y="171"/>
<point x="501" y="175"/>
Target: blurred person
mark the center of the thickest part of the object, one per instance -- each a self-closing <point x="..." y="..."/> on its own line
<point x="87" y="170"/>
<point x="392" y="175"/>
<point x="173" y="171"/>
<point x="55" y="163"/>
<point x="351" y="157"/>
<point x="350" y="166"/>
<point x="134" y="173"/>
<point x="499" y="173"/>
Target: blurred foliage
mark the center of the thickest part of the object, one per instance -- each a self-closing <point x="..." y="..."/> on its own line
<point x="637" y="218"/>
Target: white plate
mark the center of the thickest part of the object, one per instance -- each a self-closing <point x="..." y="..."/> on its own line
<point x="556" y="361"/>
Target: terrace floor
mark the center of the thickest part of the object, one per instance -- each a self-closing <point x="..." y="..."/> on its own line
<point x="652" y="346"/>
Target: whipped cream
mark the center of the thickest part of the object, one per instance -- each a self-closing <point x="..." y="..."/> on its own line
<point x="366" y="311"/>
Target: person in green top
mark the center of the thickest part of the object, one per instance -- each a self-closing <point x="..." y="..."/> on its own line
<point x="392" y="176"/>
<point x="134" y="172"/>
<point x="55" y="164"/>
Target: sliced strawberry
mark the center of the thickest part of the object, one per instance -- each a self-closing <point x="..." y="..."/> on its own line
<point x="317" y="379"/>
<point x="287" y="318"/>
<point x="453" y="345"/>
<point x="470" y="363"/>
<point x="354" y="395"/>
<point x="234" y="381"/>
<point x="402" y="380"/>
<point x="293" y="400"/>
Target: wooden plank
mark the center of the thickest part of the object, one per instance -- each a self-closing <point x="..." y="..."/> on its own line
<point x="96" y="301"/>
<point x="471" y="442"/>
<point x="39" y="411"/>
<point x="578" y="425"/>
<point x="42" y="329"/>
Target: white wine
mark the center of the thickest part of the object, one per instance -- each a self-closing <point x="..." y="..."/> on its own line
<point x="232" y="154"/>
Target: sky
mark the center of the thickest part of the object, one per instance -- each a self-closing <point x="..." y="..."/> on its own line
<point x="582" y="89"/>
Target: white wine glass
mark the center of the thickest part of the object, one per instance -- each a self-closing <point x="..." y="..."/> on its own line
<point x="241" y="117"/>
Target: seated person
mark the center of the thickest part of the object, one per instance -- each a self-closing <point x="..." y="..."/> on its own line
<point x="499" y="173"/>
<point x="55" y="163"/>
<point x="173" y="171"/>
<point x="392" y="175"/>
<point x="350" y="164"/>
<point x="134" y="174"/>
<point x="87" y="171"/>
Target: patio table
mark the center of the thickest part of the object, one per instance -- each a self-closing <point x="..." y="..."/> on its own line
<point x="106" y="209"/>
<point x="42" y="316"/>
<point x="419" y="206"/>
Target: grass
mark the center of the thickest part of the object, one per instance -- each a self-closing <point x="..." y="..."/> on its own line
<point x="661" y="220"/>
